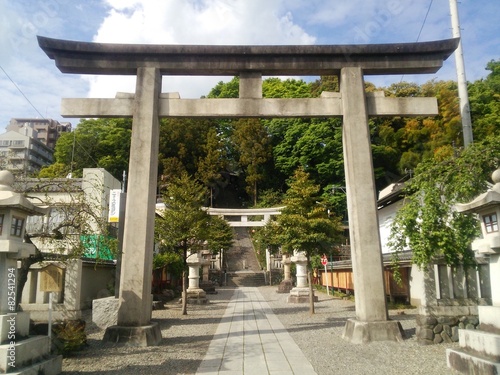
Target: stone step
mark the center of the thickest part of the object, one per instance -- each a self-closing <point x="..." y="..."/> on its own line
<point x="467" y="362"/>
<point x="241" y="256"/>
<point x="19" y="322"/>
<point x="488" y="344"/>
<point x="50" y="366"/>
<point x="26" y="352"/>
<point x="253" y="279"/>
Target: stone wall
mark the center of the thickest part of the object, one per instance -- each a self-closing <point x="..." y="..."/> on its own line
<point x="437" y="329"/>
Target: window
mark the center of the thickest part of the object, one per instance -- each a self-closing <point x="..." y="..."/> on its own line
<point x="1" y="223"/>
<point x="17" y="226"/>
<point x="490" y="223"/>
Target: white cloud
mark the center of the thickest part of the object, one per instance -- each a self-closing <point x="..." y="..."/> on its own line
<point x="192" y="22"/>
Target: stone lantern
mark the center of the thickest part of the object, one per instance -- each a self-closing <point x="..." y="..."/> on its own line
<point x="300" y="294"/>
<point x="195" y="294"/>
<point x="18" y="350"/>
<point x="479" y="350"/>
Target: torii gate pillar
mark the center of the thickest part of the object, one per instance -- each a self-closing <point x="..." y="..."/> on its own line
<point x="371" y="323"/>
<point x="135" y="302"/>
<point x="150" y="62"/>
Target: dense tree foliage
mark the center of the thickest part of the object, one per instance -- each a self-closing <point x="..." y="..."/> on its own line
<point x="95" y="143"/>
<point x="428" y="224"/>
<point x="484" y="97"/>
<point x="253" y="150"/>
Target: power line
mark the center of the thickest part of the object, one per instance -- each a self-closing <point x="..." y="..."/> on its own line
<point x="425" y="19"/>
<point x="421" y="28"/>
<point x="21" y="92"/>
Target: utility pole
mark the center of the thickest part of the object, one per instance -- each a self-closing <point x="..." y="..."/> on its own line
<point x="461" y="80"/>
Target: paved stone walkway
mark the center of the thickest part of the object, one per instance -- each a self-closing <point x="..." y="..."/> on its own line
<point x="251" y="340"/>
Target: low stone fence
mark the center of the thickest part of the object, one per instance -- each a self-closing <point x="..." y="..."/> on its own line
<point x="437" y="329"/>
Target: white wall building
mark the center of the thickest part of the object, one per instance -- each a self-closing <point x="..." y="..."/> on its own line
<point x="85" y="278"/>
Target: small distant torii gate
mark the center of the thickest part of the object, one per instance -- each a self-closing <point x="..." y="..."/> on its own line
<point x="150" y="62"/>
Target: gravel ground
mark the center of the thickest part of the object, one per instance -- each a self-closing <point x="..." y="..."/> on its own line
<point x="186" y="339"/>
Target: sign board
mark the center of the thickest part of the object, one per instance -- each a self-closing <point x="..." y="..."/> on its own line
<point x="114" y="206"/>
<point x="51" y="279"/>
<point x="324" y="260"/>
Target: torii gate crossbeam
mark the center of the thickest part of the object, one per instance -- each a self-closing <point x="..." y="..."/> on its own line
<point x="250" y="63"/>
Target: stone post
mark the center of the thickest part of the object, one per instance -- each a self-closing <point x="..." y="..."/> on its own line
<point x="371" y="323"/>
<point x="206" y="284"/>
<point x="286" y="285"/>
<point x="287" y="265"/>
<point x="205" y="264"/>
<point x="300" y="294"/>
<point x="134" y="324"/>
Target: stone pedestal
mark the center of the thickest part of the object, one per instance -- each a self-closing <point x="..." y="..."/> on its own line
<point x="359" y="332"/>
<point x="300" y="294"/>
<point x="195" y="294"/>
<point x="149" y="335"/>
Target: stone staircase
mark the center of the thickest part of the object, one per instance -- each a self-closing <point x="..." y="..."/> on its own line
<point x="246" y="278"/>
<point x="242" y="266"/>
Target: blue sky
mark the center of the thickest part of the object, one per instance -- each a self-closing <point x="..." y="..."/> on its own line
<point x="31" y="85"/>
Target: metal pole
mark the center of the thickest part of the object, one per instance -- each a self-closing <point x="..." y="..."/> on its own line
<point x="461" y="80"/>
<point x="50" y="316"/>
<point x="326" y="276"/>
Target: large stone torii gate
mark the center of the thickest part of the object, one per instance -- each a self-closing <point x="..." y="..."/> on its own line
<point x="150" y="62"/>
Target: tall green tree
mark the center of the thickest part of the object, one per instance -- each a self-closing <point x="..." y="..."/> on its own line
<point x="185" y="226"/>
<point x="304" y="224"/>
<point x="428" y="224"/>
<point x="182" y="226"/>
<point x="254" y="150"/>
<point x="213" y="163"/>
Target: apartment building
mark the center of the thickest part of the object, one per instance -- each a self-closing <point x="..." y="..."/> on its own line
<point x="22" y="154"/>
<point x="47" y="130"/>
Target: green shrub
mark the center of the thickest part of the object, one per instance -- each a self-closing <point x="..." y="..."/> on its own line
<point x="69" y="336"/>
